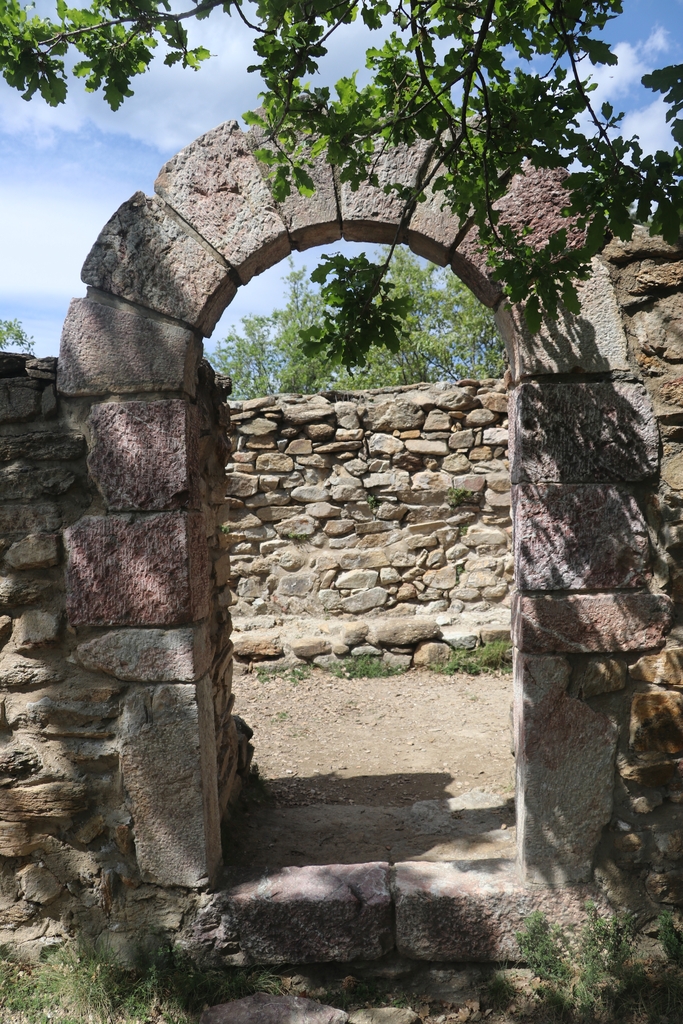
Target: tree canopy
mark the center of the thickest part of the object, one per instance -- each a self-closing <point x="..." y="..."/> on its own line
<point x="446" y="334"/>
<point x="489" y="84"/>
<point x="13" y="337"/>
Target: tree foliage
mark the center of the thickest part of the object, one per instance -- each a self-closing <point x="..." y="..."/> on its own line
<point x="488" y="84"/>
<point x="444" y="334"/>
<point x="14" y="338"/>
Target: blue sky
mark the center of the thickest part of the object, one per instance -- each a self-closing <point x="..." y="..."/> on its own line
<point x="63" y="172"/>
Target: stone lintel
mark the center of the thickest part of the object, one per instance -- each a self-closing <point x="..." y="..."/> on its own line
<point x="149" y="655"/>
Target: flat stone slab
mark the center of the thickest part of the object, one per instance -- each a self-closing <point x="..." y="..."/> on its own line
<point x="314" y="914"/>
<point x="384" y="1015"/>
<point x="262" y="1008"/>
<point x="471" y="911"/>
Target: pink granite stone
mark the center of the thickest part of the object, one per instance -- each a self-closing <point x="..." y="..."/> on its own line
<point x="575" y="537"/>
<point x="144" y="256"/>
<point x="146" y="454"/>
<point x="215" y="184"/>
<point x="313" y="914"/>
<point x="582" y="433"/>
<point x="372" y="215"/>
<point x="472" y="910"/>
<point x="586" y="623"/>
<point x="146" y="572"/>
<point x="262" y="1008"/>
<point x="104" y="350"/>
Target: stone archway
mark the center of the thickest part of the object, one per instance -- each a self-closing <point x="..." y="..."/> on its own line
<point x="146" y="571"/>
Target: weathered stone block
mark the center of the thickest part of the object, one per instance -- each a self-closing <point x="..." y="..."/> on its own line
<point x="41" y="444"/>
<point x="20" y="481"/>
<point x="393" y="414"/>
<point x="402" y="632"/>
<point x="364" y="600"/>
<point x="38" y="884"/>
<point x="19" y="590"/>
<point x="590" y="622"/>
<point x="267" y="1009"/>
<point x="149" y="655"/>
<point x="371" y="215"/>
<point x="36" y="551"/>
<point x="310" y="220"/>
<point x="657" y="722"/>
<point x="142" y="255"/>
<point x="60" y="799"/>
<point x="148" y="572"/>
<point x="35" y="629"/>
<point x="215" y="184"/>
<point x="146" y="454"/>
<point x="310" y="647"/>
<point x="433" y="229"/>
<point x="168" y="762"/>
<point x="105" y="350"/>
<point x="431" y="654"/>
<point x="592" y="341"/>
<point x="472" y="911"/>
<point x="19" y="399"/>
<point x="29" y="518"/>
<point x="663" y="668"/>
<point x="582" y="433"/>
<point x="598" y="675"/>
<point x="256" y="645"/>
<point x="337" y="912"/>
<point x="574" y="537"/>
<point x="565" y="773"/>
<point x="274" y="462"/>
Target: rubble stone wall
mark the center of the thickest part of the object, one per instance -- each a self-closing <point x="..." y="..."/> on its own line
<point x="381" y="502"/>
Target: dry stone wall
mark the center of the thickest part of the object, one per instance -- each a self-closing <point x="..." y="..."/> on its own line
<point x="370" y="504"/>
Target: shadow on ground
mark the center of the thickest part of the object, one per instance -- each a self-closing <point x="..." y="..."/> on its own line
<point x="332" y="820"/>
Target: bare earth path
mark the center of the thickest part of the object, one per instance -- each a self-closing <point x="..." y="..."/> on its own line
<point x="414" y="766"/>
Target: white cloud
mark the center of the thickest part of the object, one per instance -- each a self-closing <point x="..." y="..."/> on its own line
<point x="634" y="62"/>
<point x="649" y="124"/>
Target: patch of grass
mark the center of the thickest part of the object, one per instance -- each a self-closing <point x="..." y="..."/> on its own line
<point x="90" y="984"/>
<point x="458" y="496"/>
<point x="373" y="501"/>
<point x="544" y="948"/>
<point x="293" y="535"/>
<point x="224" y="527"/>
<point x="367" y="666"/>
<point x="671" y="938"/>
<point x="493" y="657"/>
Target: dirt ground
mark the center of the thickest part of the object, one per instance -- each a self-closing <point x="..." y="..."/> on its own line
<point x="414" y="766"/>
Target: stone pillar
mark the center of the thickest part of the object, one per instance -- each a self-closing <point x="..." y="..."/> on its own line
<point x="138" y="578"/>
<point x="584" y="454"/>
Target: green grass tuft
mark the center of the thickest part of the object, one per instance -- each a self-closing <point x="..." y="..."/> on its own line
<point x="366" y="666"/>
<point x="458" y="496"/>
<point x="494" y="657"/>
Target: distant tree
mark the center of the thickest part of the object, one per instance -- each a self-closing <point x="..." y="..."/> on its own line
<point x="14" y="338"/>
<point x="446" y="334"/>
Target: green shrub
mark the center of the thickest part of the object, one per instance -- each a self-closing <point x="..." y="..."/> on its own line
<point x="493" y="657"/>
<point x="373" y="501"/>
<point x="544" y="948"/>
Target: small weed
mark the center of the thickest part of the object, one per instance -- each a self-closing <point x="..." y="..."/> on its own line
<point x="458" y="496"/>
<point x="493" y="657"/>
<point x="298" y="674"/>
<point x="671" y="938"/>
<point x="293" y="535"/>
<point x="373" y="501"/>
<point x="282" y="715"/>
<point x="367" y="666"/>
<point x="224" y="527"/>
